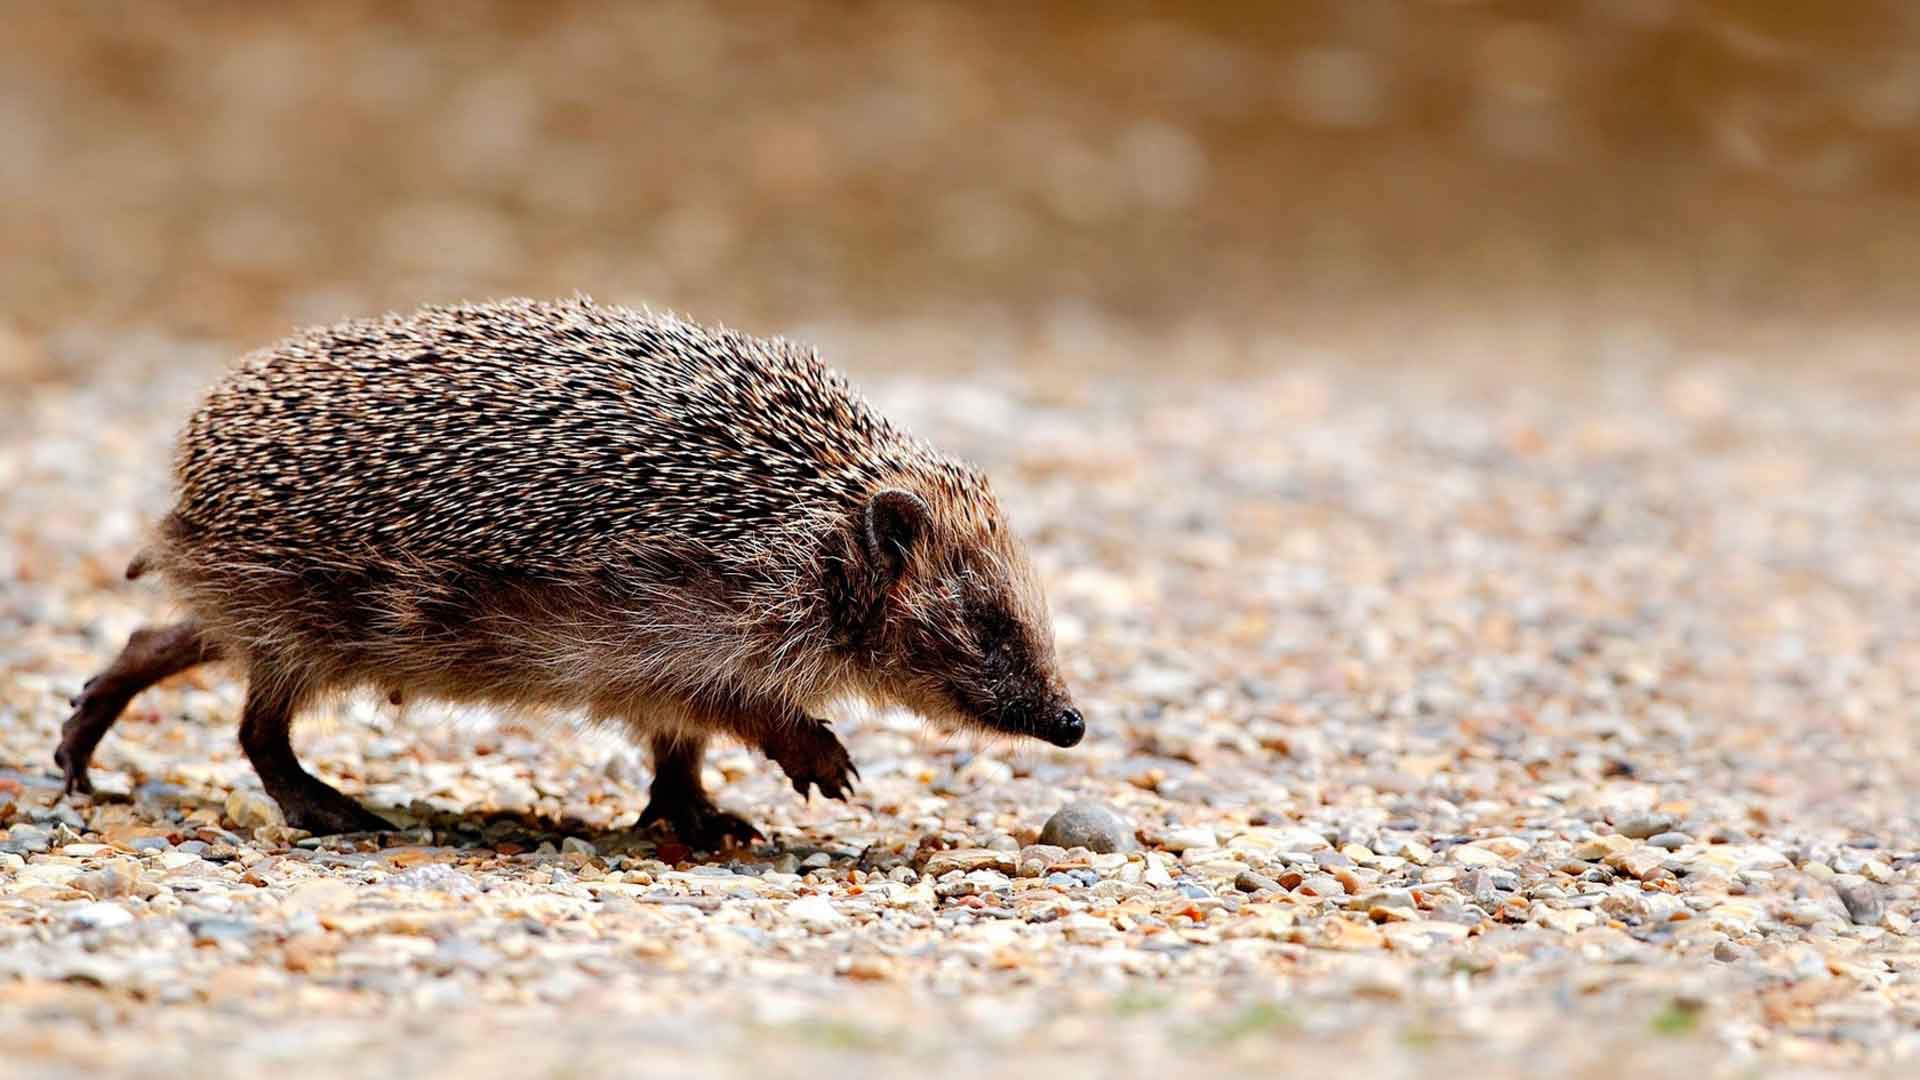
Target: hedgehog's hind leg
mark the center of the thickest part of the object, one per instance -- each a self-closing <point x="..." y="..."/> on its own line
<point x="679" y="799"/>
<point x="306" y="800"/>
<point x="153" y="653"/>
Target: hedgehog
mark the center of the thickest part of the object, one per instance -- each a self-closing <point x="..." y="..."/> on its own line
<point x="679" y="531"/>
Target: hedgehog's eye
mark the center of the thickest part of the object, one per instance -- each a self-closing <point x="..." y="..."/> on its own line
<point x="992" y="632"/>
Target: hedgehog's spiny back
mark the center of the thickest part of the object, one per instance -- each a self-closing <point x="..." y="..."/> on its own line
<point x="531" y="435"/>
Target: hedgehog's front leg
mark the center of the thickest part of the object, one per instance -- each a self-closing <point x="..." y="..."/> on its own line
<point x="811" y="755"/>
<point x="680" y="800"/>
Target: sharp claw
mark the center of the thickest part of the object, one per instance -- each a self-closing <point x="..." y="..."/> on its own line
<point x="736" y="831"/>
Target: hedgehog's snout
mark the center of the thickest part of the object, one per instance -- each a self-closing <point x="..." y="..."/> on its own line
<point x="1062" y="725"/>
<point x="1067" y="729"/>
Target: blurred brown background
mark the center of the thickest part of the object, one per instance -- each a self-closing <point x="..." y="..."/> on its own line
<point x="1090" y="180"/>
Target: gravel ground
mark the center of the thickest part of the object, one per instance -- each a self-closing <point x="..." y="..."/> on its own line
<point x="1451" y="722"/>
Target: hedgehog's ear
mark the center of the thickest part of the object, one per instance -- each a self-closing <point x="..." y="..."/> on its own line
<point x="894" y="522"/>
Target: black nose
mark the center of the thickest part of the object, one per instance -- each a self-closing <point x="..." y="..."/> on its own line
<point x="1068" y="728"/>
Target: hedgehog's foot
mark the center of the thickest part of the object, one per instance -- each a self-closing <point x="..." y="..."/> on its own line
<point x="305" y="800"/>
<point x="812" y="756"/>
<point x="678" y="799"/>
<point x="91" y="718"/>
<point x="322" y="810"/>
<point x="699" y="824"/>
<point x="151" y="654"/>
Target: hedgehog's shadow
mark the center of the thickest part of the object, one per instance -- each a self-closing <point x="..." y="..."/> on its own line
<point x="505" y="832"/>
<point x="513" y="832"/>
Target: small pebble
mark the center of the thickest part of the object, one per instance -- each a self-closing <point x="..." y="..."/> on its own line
<point x="218" y="929"/>
<point x="815" y="912"/>
<point x="1188" y="839"/>
<point x="1477" y="885"/>
<point x="435" y="877"/>
<point x="1861" y="898"/>
<point x="99" y="915"/>
<point x="1322" y="885"/>
<point x="27" y="840"/>
<point x="107" y="882"/>
<point x="249" y="809"/>
<point x="1642" y="826"/>
<point x="1251" y="882"/>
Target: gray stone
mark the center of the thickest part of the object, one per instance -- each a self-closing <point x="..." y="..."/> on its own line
<point x="27" y="840"/>
<point x="1477" y="885"/>
<point x="1642" y="826"/>
<point x="1862" y="898"/>
<point x="1087" y="824"/>
<point x="217" y="929"/>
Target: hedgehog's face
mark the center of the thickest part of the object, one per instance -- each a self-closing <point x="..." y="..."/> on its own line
<point x="961" y="630"/>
